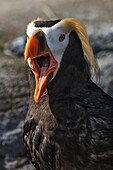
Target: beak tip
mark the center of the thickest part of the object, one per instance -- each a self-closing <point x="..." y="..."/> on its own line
<point x="25" y="60"/>
<point x="36" y="99"/>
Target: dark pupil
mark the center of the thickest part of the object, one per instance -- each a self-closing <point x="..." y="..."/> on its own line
<point x="62" y="37"/>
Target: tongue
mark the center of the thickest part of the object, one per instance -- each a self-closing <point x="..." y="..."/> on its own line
<point x="44" y="67"/>
<point x="43" y="71"/>
<point x="42" y="74"/>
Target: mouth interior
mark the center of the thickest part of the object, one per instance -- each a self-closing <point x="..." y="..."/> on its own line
<point x="43" y="61"/>
<point x="40" y="65"/>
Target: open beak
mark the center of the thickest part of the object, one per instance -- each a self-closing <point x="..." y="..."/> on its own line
<point x="41" y="61"/>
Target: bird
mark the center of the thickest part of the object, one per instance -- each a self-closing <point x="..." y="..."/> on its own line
<point x="69" y="123"/>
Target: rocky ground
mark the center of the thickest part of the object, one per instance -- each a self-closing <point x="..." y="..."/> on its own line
<point x="14" y="88"/>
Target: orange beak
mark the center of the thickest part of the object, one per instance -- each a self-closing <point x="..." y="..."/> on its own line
<point x="31" y="48"/>
<point x="41" y="62"/>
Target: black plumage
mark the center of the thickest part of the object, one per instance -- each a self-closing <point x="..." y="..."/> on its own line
<point x="71" y="127"/>
<point x="46" y="23"/>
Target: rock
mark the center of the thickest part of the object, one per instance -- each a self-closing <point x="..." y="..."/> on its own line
<point x="16" y="47"/>
<point x="14" y="101"/>
<point x="102" y="45"/>
<point x="101" y="42"/>
<point x="105" y="61"/>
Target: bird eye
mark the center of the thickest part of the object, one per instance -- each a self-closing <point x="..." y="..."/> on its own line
<point x="27" y="36"/>
<point x="62" y="37"/>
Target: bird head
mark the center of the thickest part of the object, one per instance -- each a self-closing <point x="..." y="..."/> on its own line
<point x="46" y="44"/>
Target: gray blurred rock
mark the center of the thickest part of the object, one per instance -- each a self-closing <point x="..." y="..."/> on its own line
<point x="102" y="45"/>
<point x="16" y="47"/>
<point x="105" y="61"/>
<point x="101" y="42"/>
<point x="13" y="108"/>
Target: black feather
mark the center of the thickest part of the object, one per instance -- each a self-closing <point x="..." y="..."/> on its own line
<point x="46" y="23"/>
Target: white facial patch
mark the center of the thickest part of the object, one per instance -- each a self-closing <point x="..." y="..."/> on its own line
<point x="31" y="29"/>
<point x="57" y="47"/>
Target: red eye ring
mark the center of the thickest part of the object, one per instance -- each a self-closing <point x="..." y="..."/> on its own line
<point x="62" y="37"/>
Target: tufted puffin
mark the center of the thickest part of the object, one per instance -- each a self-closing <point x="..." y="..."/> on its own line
<point x="69" y="124"/>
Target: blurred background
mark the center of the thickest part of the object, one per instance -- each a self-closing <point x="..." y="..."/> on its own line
<point x="97" y="16"/>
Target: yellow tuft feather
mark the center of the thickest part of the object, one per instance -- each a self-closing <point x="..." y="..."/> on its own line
<point x="69" y="24"/>
<point x="38" y="19"/>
